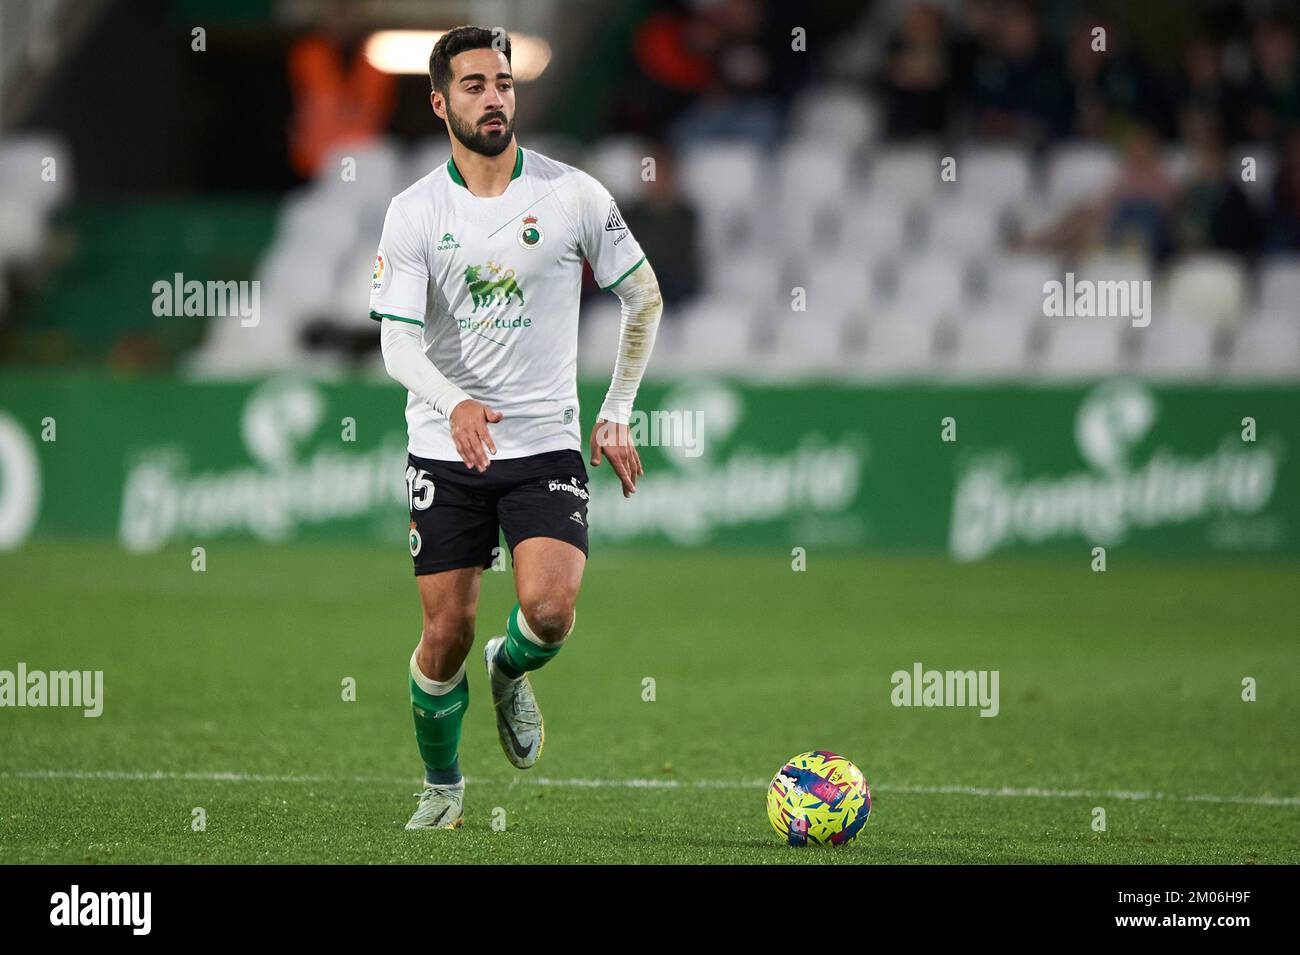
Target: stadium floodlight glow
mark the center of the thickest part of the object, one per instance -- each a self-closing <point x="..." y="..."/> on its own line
<point x="407" y="51"/>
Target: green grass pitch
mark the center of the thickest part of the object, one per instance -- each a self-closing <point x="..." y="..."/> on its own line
<point x="223" y="690"/>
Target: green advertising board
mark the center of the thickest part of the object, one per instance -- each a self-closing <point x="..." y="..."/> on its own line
<point x="972" y="471"/>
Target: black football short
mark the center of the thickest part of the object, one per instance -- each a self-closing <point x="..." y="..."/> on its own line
<point x="458" y="514"/>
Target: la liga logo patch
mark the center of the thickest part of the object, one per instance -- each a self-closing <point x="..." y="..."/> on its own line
<point x="377" y="276"/>
<point x="530" y="233"/>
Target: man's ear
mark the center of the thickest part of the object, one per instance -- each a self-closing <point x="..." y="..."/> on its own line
<point x="438" y="103"/>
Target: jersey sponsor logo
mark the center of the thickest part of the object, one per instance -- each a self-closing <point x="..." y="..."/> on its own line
<point x="498" y="290"/>
<point x="530" y="233"/>
<point x="574" y="487"/>
<point x="614" y="221"/>
<point x="377" y="276"/>
<point x="447" y="242"/>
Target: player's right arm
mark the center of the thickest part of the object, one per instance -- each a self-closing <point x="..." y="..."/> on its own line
<point x="398" y="292"/>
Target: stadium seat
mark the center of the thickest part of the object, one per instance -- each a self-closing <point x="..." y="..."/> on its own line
<point x="1112" y="267"/>
<point x="1279" y="285"/>
<point x="835" y="283"/>
<point x="991" y="342"/>
<point x="909" y="174"/>
<point x="22" y="170"/>
<point x="716" y="336"/>
<point x="1083" y="347"/>
<point x="1267" y="350"/>
<point x="804" y="344"/>
<point x="754" y="279"/>
<point x="1015" y="281"/>
<point x="963" y="228"/>
<point x="376" y="167"/>
<point x="723" y="175"/>
<point x="1207" y="288"/>
<point x="935" y="283"/>
<point x="424" y="157"/>
<point x="899" y="341"/>
<point x="1078" y="171"/>
<point x="993" y="176"/>
<point x="1175" y="347"/>
<point x="873" y="225"/>
<point x="838" y="115"/>
<point x="616" y="163"/>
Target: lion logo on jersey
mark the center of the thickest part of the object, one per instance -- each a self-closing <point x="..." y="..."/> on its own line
<point x="493" y="291"/>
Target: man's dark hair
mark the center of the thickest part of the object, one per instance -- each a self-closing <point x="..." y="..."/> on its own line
<point x="458" y="41"/>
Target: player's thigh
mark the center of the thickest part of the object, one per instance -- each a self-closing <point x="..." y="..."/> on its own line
<point x="548" y="575"/>
<point x="450" y="596"/>
<point x="453" y="517"/>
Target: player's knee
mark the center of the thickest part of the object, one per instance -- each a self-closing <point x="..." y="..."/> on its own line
<point x="444" y="642"/>
<point x="550" y="618"/>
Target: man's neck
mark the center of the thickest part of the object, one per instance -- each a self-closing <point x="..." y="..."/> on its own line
<point x="485" y="176"/>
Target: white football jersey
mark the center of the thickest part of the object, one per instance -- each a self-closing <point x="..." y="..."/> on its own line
<point x="495" y="283"/>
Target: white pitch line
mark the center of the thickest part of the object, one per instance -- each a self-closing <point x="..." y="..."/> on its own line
<point x="999" y="792"/>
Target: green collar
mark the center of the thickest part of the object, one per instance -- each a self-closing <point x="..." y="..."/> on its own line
<point x="459" y="180"/>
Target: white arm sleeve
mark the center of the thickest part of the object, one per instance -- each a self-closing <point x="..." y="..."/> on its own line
<point x="638" y="292"/>
<point x="406" y="362"/>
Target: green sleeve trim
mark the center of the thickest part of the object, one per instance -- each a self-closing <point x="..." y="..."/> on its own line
<point x="606" y="288"/>
<point x="380" y="316"/>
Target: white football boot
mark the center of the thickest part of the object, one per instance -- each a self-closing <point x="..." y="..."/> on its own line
<point x="440" y="807"/>
<point x="519" y="721"/>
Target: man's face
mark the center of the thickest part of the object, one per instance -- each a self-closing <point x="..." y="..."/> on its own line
<point x="480" y="103"/>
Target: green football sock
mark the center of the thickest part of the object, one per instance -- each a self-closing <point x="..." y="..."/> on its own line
<point x="522" y="651"/>
<point x="439" y="709"/>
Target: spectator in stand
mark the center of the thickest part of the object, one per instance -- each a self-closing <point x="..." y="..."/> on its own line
<point x="1205" y="94"/>
<point x="1020" y="86"/>
<point x="339" y="98"/>
<point x="1274" y="93"/>
<point x="1132" y="213"/>
<point x="1284" y="225"/>
<point x="666" y="226"/>
<point x="918" y="74"/>
<point x="738" y="101"/>
<point x="1213" y="211"/>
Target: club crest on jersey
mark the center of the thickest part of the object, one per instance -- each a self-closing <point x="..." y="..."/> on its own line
<point x="415" y="541"/>
<point x="530" y="233"/>
<point x="377" y="276"/>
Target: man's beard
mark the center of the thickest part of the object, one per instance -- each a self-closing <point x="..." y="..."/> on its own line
<point x="482" y="141"/>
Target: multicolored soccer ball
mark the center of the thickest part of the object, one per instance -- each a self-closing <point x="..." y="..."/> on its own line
<point x="819" y="798"/>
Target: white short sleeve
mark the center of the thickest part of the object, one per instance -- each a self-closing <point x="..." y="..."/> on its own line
<point x="400" y="280"/>
<point x="607" y="242"/>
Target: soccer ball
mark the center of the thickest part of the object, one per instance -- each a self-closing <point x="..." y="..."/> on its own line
<point x="820" y="798"/>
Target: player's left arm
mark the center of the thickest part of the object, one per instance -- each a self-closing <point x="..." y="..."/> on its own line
<point x="620" y="266"/>
<point x="642" y="306"/>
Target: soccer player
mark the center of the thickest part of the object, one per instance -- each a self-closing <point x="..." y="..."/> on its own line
<point x="476" y="285"/>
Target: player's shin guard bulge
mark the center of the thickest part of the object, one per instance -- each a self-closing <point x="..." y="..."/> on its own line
<point x="523" y="650"/>
<point x="439" y="708"/>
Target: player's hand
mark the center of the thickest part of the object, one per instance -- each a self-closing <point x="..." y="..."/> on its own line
<point x="469" y="432"/>
<point x="614" y="441"/>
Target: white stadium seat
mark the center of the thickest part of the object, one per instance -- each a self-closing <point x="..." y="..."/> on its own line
<point x="723" y="175"/>
<point x="616" y="163"/>
<point x="1279" y="285"/>
<point x="932" y="282"/>
<point x="1015" y="281"/>
<point x="993" y="176"/>
<point x="838" y="115"/>
<point x="873" y="226"/>
<point x="899" y="341"/>
<point x="991" y="342"/>
<point x="908" y="174"/>
<point x="1175" y="347"/>
<point x="1083" y="347"/>
<point x="1267" y="350"/>
<point x="1078" y="171"/>
<point x="963" y="228"/>
<point x="1207" y="288"/>
<point x="23" y="165"/>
